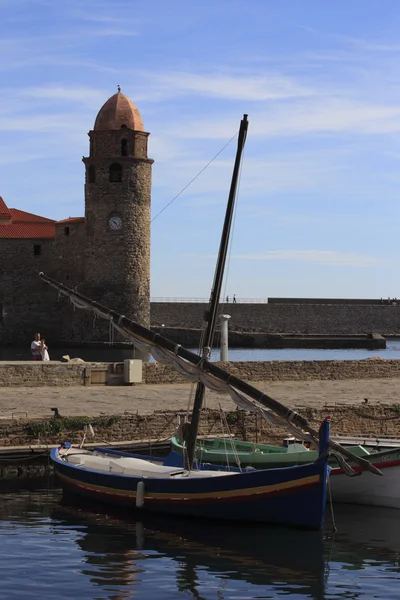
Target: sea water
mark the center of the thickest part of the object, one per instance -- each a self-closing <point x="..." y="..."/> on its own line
<point x="237" y="354"/>
<point x="50" y="550"/>
<point x="392" y="351"/>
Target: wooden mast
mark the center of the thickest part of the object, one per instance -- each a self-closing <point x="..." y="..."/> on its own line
<point x="210" y="316"/>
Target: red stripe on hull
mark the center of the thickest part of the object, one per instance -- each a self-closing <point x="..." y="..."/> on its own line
<point x="379" y="465"/>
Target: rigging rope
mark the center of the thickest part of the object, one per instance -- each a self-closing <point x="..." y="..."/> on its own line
<point x="194" y="178"/>
<point x="235" y="452"/>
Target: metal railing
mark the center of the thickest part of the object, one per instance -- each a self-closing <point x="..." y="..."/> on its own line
<point x="206" y="300"/>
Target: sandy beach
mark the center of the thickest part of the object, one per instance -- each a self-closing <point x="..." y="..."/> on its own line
<point x="146" y="399"/>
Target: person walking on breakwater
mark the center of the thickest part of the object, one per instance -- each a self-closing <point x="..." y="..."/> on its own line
<point x="36" y="347"/>
<point x="44" y="350"/>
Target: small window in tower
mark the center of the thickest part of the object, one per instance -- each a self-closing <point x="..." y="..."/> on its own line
<point x="115" y="173"/>
<point x="37" y="249"/>
<point x="124" y="147"/>
<point x="66" y="230"/>
<point x="92" y="174"/>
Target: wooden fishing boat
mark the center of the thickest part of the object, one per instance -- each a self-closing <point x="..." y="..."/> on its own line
<point x="230" y="451"/>
<point x="289" y="495"/>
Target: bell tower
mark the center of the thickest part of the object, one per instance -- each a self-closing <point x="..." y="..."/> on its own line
<point x="117" y="211"/>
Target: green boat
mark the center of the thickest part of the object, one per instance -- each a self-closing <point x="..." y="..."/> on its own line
<point x="222" y="451"/>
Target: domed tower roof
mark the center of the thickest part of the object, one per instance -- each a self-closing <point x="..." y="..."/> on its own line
<point x="119" y="111"/>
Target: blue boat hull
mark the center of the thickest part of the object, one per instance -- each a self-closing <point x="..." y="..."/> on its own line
<point x="294" y="496"/>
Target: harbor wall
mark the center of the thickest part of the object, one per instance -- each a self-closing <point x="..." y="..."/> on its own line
<point x="190" y="338"/>
<point x="36" y="307"/>
<point x="36" y="374"/>
<point x="339" y="319"/>
<point x="356" y="420"/>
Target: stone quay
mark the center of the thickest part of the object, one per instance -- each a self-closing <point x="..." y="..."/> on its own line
<point x="43" y="404"/>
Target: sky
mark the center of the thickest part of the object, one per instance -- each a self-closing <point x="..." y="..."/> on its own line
<point x="318" y="205"/>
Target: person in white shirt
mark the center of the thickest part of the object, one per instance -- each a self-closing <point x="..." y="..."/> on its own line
<point x="44" y="351"/>
<point x="36" y="348"/>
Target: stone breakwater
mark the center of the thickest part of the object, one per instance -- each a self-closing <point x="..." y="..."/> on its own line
<point x="34" y="374"/>
<point x="339" y="319"/>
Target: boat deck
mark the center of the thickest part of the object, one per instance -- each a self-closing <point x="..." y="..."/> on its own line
<point x="130" y="466"/>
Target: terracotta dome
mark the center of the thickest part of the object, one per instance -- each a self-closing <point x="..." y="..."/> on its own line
<point x="118" y="112"/>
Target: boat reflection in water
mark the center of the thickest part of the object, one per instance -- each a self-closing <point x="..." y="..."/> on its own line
<point x="254" y="559"/>
<point x="101" y="554"/>
<point x="258" y="555"/>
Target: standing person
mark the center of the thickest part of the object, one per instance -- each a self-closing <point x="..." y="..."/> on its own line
<point x="227" y="299"/>
<point x="234" y="298"/>
<point x="36" y="347"/>
<point x="44" y="351"/>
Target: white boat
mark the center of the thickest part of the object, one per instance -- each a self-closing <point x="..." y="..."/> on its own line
<point x="369" y="442"/>
<point x="368" y="490"/>
<point x="376" y="443"/>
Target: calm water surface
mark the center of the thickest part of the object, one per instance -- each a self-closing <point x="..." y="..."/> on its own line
<point x="51" y="551"/>
<point x="235" y="354"/>
<point x="248" y="354"/>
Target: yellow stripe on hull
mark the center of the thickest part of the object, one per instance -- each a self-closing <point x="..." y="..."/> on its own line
<point x="240" y="494"/>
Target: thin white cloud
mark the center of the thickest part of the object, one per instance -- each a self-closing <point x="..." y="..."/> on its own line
<point x="372" y="46"/>
<point x="330" y="258"/>
<point x="262" y="175"/>
<point x="17" y="158"/>
<point x="224" y="84"/>
<point x="81" y="94"/>
<point x="101" y="32"/>
<point x="96" y="18"/>
<point x="43" y="123"/>
<point x="324" y="116"/>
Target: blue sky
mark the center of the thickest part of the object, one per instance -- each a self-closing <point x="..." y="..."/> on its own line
<point x="318" y="210"/>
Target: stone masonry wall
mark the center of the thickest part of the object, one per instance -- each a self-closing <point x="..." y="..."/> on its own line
<point x="380" y="420"/>
<point x="41" y="374"/>
<point x="286" y="370"/>
<point x="64" y="374"/>
<point x="26" y="306"/>
<point x="286" y="318"/>
<point x="29" y="305"/>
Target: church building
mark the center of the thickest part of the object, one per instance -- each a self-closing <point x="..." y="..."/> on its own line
<point x="105" y="254"/>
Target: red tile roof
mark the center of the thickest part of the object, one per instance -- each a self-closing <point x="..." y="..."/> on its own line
<point x="72" y="220"/>
<point x="20" y="216"/>
<point x="4" y="212"/>
<point x="27" y="231"/>
<point x="27" y="226"/>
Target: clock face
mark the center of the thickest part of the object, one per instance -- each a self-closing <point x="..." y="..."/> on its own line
<point x="115" y="223"/>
